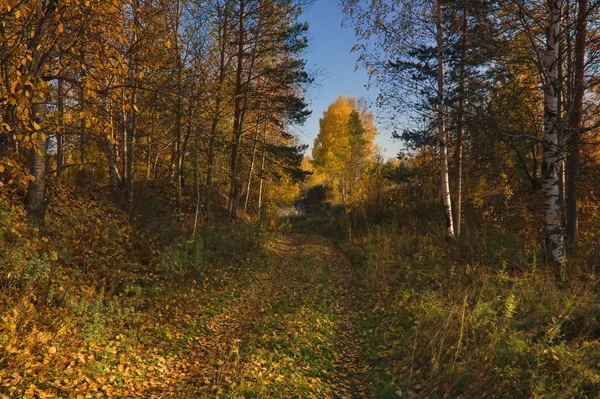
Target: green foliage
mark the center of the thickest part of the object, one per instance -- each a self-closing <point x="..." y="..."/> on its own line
<point x="26" y="271"/>
<point x="218" y="245"/>
<point x="327" y="221"/>
<point x="181" y="258"/>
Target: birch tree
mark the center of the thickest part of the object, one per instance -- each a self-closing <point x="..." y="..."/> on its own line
<point x="551" y="150"/>
<point x="442" y="134"/>
<point x="403" y="45"/>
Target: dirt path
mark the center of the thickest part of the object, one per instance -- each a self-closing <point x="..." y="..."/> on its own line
<point x="294" y="332"/>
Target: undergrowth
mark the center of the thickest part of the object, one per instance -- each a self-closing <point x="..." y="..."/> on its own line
<point x="91" y="304"/>
<point x="480" y="317"/>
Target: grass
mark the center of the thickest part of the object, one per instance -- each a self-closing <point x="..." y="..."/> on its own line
<point x="475" y="319"/>
<point x="252" y="313"/>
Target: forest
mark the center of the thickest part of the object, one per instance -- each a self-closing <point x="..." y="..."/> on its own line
<point x="167" y="232"/>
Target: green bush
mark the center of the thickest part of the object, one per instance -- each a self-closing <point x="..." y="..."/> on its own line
<point x="26" y="271"/>
<point x="182" y="258"/>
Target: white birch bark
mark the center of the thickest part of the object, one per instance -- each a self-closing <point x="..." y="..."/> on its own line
<point x="551" y="149"/>
<point x="442" y="126"/>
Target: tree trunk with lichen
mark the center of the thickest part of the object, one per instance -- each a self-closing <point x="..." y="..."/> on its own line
<point x="35" y="203"/>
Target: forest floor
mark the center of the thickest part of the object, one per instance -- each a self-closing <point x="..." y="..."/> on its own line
<point x="287" y="322"/>
<point x="251" y="312"/>
<point x="294" y="331"/>
<point x="94" y="305"/>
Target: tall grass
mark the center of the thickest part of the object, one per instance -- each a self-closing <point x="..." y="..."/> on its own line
<point x="477" y="318"/>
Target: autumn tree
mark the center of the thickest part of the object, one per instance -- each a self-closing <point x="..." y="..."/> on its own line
<point x="123" y="92"/>
<point x="358" y="143"/>
<point x="344" y="145"/>
<point x="269" y="42"/>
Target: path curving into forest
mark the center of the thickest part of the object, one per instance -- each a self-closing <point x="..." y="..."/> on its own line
<point x="293" y="332"/>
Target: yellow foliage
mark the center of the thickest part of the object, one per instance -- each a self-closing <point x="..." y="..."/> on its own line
<point x="338" y="156"/>
<point x="332" y="145"/>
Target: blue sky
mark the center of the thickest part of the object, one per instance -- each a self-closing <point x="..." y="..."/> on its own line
<point x="330" y="54"/>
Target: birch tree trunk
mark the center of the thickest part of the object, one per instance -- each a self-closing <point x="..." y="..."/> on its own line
<point x="35" y="202"/>
<point x="130" y="144"/>
<point x="442" y="126"/>
<point x="125" y="123"/>
<point x="178" y="112"/>
<point x="262" y="182"/>
<point x="111" y="153"/>
<point x="251" y="171"/>
<point x="551" y="149"/>
<point x="82" y="126"/>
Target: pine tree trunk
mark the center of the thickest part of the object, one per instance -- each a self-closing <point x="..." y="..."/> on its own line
<point x="237" y="116"/>
<point x="460" y="128"/>
<point x="442" y="127"/>
<point x="575" y="124"/>
<point x="211" y="156"/>
<point x="551" y="149"/>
